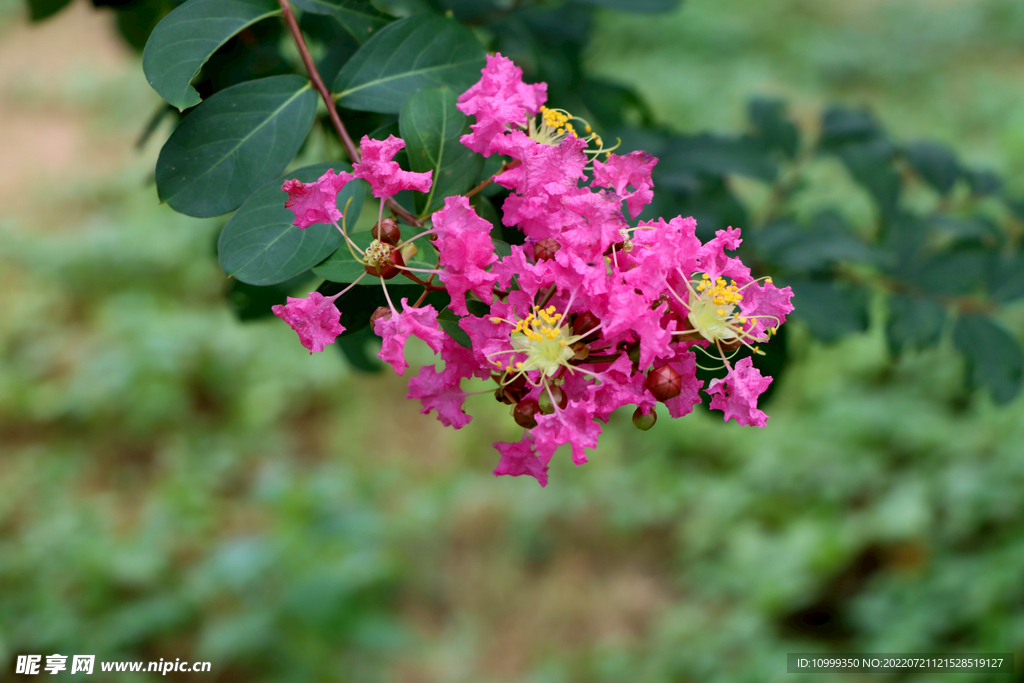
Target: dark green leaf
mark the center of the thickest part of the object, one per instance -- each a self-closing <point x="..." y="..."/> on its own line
<point x="716" y="155"/>
<point x="871" y="165"/>
<point x="354" y="348"/>
<point x="431" y="127"/>
<point x="830" y="309"/>
<point x="343" y="267"/>
<point x="773" y="126"/>
<point x="994" y="358"/>
<point x="424" y="50"/>
<point x="183" y="41"/>
<point x="234" y="142"/>
<point x="358" y="18"/>
<point x="935" y="163"/>
<point x="259" y="245"/>
<point x="250" y="302"/>
<point x="613" y="105"/>
<point x="956" y="273"/>
<point x="841" y="126"/>
<point x="43" y="9"/>
<point x="1006" y="277"/>
<point x="827" y="241"/>
<point x="983" y="182"/>
<point x="913" y="322"/>
<point x="450" y="323"/>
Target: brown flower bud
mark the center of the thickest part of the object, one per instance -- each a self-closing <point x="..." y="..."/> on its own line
<point x="561" y="400"/>
<point x="664" y="382"/>
<point x="381" y="312"/>
<point x="644" y="422"/>
<point x="525" y="413"/>
<point x="545" y="249"/>
<point x="585" y="322"/>
<point x="387" y="231"/>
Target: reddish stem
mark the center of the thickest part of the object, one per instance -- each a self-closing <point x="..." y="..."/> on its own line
<point x="332" y="110"/>
<point x="485" y="183"/>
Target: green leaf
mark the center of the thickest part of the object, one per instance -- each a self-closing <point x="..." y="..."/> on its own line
<point x="773" y="126"/>
<point x="234" y="142"/>
<point x="343" y="267"/>
<point x="358" y="18"/>
<point x="353" y="347"/>
<point x="830" y="309"/>
<point x="423" y="50"/>
<point x="450" y="323"/>
<point x="183" y="41"/>
<point x="936" y="164"/>
<point x="260" y="246"/>
<point x="913" y="322"/>
<point x="994" y="358"/>
<point x="44" y="9"/>
<point x="829" y="240"/>
<point x="431" y="127"/>
<point x="715" y="155"/>
<point x="871" y="165"/>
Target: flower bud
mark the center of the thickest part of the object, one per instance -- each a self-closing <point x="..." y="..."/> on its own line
<point x="525" y="413"/>
<point x="545" y="249"/>
<point x="561" y="400"/>
<point x="644" y="422"/>
<point x="580" y="351"/>
<point x="664" y="382"/>
<point x="387" y="231"/>
<point x="585" y="322"/>
<point x="381" y="312"/>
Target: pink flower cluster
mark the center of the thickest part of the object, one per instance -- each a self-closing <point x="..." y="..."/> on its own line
<point x="591" y="313"/>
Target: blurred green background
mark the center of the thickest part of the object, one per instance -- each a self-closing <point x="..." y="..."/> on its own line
<point x="175" y="483"/>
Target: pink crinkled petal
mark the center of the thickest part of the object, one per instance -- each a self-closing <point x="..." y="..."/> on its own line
<point x="498" y="100"/>
<point x="685" y="364"/>
<point x="314" y="318"/>
<point x="385" y="176"/>
<point x="437" y="393"/>
<point x="736" y="395"/>
<point x="573" y="425"/>
<point x="633" y="169"/>
<point x="519" y="458"/>
<point x="465" y="250"/>
<point x="315" y="202"/>
<point x="396" y="330"/>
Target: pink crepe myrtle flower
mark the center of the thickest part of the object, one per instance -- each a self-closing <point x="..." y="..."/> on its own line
<point x="633" y="170"/>
<point x="316" y="202"/>
<point x="520" y="458"/>
<point x="396" y="329"/>
<point x="465" y="250"/>
<point x="440" y="389"/>
<point x="736" y="394"/>
<point x="315" y="319"/>
<point x="385" y="176"/>
<point x="591" y="313"/>
<point x="498" y="99"/>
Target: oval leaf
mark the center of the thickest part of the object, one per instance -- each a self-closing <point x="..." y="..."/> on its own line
<point x="431" y="127"/>
<point x="260" y="246"/>
<point x="232" y="143"/>
<point x="994" y="358"/>
<point x="358" y="18"/>
<point x="183" y="41"/>
<point x="421" y="51"/>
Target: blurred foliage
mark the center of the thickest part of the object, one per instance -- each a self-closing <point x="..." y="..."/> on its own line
<point x="179" y="484"/>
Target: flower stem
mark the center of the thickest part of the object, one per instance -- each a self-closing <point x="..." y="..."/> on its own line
<point x="332" y="110"/>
